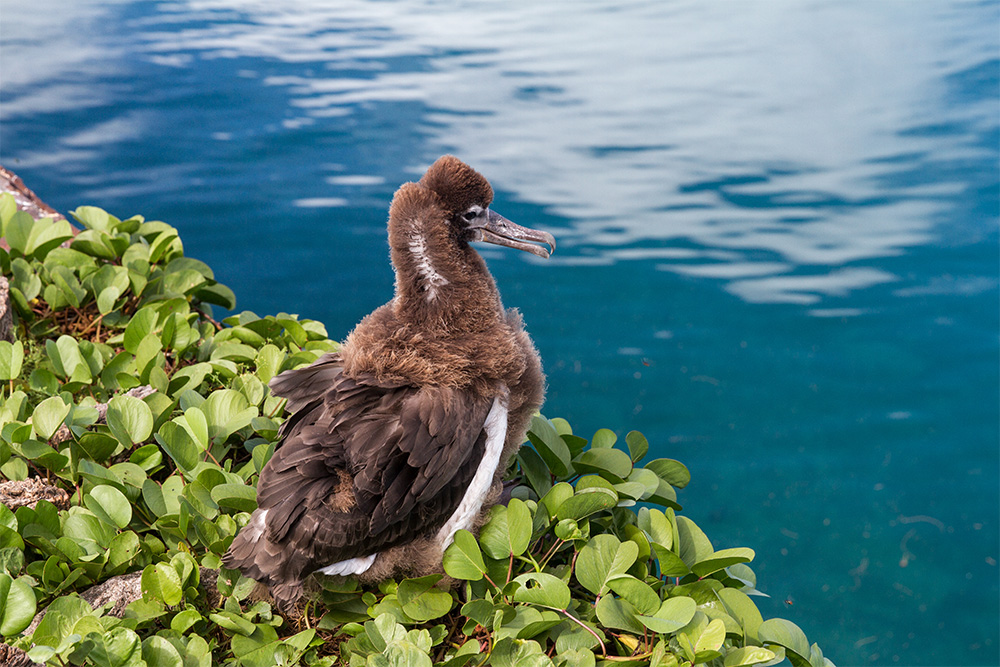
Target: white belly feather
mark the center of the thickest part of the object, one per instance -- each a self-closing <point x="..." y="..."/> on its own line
<point x="472" y="502"/>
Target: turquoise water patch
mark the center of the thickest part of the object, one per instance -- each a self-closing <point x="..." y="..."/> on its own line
<point x="777" y="226"/>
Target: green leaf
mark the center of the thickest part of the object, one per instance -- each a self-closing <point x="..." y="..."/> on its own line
<point x="162" y="583"/>
<point x="140" y="326"/>
<point x="639" y="594"/>
<point x="712" y="637"/>
<point x="233" y="622"/>
<point x="68" y="359"/>
<point x="694" y="545"/>
<point x="421" y="600"/>
<point x="226" y="411"/>
<point x="130" y="420"/>
<point x="648" y="479"/>
<point x="48" y="416"/>
<point x="618" y="614"/>
<point x="586" y="502"/>
<point x="508" y="530"/>
<point x="184" y="620"/>
<point x="784" y="633"/>
<point x="60" y="620"/>
<point x="95" y="243"/>
<point x="118" y="648"/>
<point x="657" y="526"/>
<point x="672" y="472"/>
<point x="183" y="281"/>
<point x="535" y="470"/>
<point x="722" y="559"/>
<point x="597" y="461"/>
<point x="748" y="655"/>
<point x="158" y="652"/>
<point x="510" y="652"/>
<point x="543" y="589"/>
<point x="673" y="614"/>
<point x="17" y="605"/>
<point x="46" y="234"/>
<point x="122" y="549"/>
<point x="550" y="446"/>
<point x="603" y="439"/>
<point x="555" y="497"/>
<point x="147" y="355"/>
<point x="463" y="559"/>
<point x="239" y="497"/>
<point x="110" y="505"/>
<point x="92" y="217"/>
<point x="179" y="446"/>
<point x="742" y="608"/>
<point x="603" y="558"/>
<point x="11" y="357"/>
<point x="638" y="446"/>
<point x="217" y="294"/>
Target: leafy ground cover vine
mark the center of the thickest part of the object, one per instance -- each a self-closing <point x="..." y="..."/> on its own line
<point x="120" y="389"/>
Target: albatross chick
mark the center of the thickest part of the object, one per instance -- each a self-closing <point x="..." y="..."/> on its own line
<point x="401" y="438"/>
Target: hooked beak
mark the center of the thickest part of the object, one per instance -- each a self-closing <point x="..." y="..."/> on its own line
<point x="501" y="231"/>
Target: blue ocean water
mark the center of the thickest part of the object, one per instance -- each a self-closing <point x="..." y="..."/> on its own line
<point x="777" y="223"/>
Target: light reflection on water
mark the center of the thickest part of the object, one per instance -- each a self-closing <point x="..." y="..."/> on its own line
<point x="685" y="121"/>
<point x="755" y="206"/>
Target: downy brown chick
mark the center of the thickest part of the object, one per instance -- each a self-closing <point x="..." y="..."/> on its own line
<point x="401" y="438"/>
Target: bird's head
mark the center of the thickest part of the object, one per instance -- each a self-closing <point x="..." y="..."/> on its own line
<point x="465" y="197"/>
<point x="431" y="224"/>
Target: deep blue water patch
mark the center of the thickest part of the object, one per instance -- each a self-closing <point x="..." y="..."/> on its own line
<point x="778" y="247"/>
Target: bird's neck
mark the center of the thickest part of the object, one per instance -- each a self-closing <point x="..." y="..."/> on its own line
<point x="443" y="286"/>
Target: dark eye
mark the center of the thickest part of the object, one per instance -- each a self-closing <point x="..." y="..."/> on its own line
<point x="470" y="215"/>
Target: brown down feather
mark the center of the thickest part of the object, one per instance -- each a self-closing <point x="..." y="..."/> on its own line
<point x="384" y="436"/>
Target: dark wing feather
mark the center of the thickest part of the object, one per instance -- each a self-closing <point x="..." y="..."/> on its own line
<point x="408" y="454"/>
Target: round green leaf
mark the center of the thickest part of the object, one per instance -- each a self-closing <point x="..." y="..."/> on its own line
<point x="638" y="446"/>
<point x="508" y="530"/>
<point x="672" y="615"/>
<point x="110" y="505"/>
<point x="139" y="327"/>
<point x="550" y="446"/>
<point x="158" y="652"/>
<point x="604" y="557"/>
<point x="49" y="416"/>
<point x="543" y="589"/>
<point x="11" y="357"/>
<point x="463" y="559"/>
<point x="742" y="608"/>
<point x="673" y="472"/>
<point x="184" y="620"/>
<point x="130" y="420"/>
<point x="694" y="544"/>
<point x="784" y="633"/>
<point x="421" y="600"/>
<point x="119" y="647"/>
<point x="239" y="497"/>
<point x="638" y="593"/>
<point x="17" y="605"/>
<point x="586" y="502"/>
<point x="555" y="497"/>
<point x="604" y="438"/>
<point x="722" y="559"/>
<point x="748" y="655"/>
<point x="162" y="583"/>
<point x="618" y="614"/>
<point x="122" y="549"/>
<point x="597" y="461"/>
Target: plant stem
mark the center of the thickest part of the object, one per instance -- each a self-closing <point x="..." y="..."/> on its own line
<point x="604" y="650"/>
